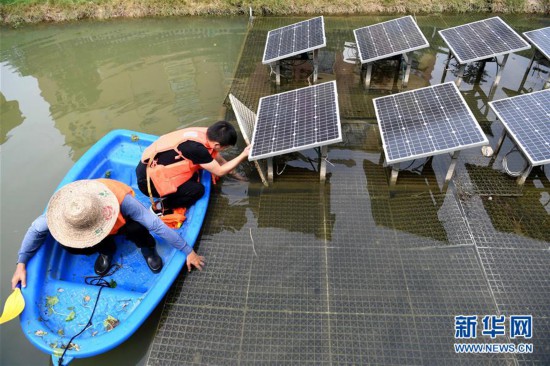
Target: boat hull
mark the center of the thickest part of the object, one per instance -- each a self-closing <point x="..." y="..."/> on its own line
<point x="58" y="301"/>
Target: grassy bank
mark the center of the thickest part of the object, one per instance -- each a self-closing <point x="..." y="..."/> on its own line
<point x="16" y="12"/>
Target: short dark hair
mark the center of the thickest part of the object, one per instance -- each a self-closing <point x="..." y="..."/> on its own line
<point x="223" y="133"/>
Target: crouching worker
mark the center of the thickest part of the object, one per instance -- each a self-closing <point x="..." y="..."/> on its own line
<point x="169" y="166"/>
<point x="85" y="215"/>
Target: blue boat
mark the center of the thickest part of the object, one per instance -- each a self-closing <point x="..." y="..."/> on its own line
<point x="59" y="302"/>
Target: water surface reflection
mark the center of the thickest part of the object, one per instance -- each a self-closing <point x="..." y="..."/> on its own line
<point x="299" y="247"/>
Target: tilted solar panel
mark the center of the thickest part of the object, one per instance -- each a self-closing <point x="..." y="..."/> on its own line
<point x="527" y="119"/>
<point x="296" y="120"/>
<point x="294" y="39"/>
<point x="540" y="38"/>
<point x="426" y="122"/>
<point x="389" y="38"/>
<point x="482" y="39"/>
<point x="246" y="120"/>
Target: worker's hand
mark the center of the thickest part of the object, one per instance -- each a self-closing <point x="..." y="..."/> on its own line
<point x="20" y="275"/>
<point x="193" y="259"/>
<point x="246" y="150"/>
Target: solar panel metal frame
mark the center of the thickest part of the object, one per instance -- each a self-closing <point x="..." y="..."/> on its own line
<point x="253" y="157"/>
<point x="281" y="57"/>
<point x="495" y="107"/>
<point x="460" y="61"/>
<point x="393" y="53"/>
<point x="246" y="119"/>
<point x="434" y="152"/>
<point x="534" y="42"/>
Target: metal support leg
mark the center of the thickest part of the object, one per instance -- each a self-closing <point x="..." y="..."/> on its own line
<point x="522" y="84"/>
<point x="521" y="179"/>
<point x="270" y="170"/>
<point x="448" y="60"/>
<point x="532" y="60"/>
<point x="408" y="60"/>
<point x="446" y="67"/>
<point x="315" y="65"/>
<point x="480" y="72"/>
<point x="492" y="92"/>
<point x="323" y="163"/>
<point x="368" y="75"/>
<point x="460" y="75"/>
<point x="499" y="143"/>
<point x="451" y="169"/>
<point x="394" y="173"/>
<point x="278" y="72"/>
<point x="499" y="72"/>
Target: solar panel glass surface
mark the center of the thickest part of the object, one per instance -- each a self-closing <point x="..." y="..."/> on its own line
<point x="389" y="38"/>
<point x="527" y="119"/>
<point x="296" y="120"/>
<point x="540" y="38"/>
<point x="245" y="118"/>
<point x="294" y="39"/>
<point x="482" y="39"/>
<point x="426" y="122"/>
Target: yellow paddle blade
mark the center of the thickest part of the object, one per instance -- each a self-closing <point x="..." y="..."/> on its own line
<point x="15" y="303"/>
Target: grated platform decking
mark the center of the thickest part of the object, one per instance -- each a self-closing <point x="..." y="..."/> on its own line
<point x="348" y="272"/>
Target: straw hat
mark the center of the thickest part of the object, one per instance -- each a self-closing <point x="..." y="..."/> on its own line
<point x="82" y="213"/>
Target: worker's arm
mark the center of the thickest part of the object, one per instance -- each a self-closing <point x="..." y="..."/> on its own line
<point x="33" y="240"/>
<point x="220" y="170"/>
<point x="133" y="209"/>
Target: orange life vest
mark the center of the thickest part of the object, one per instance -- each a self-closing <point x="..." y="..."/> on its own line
<point x="167" y="178"/>
<point x="120" y="190"/>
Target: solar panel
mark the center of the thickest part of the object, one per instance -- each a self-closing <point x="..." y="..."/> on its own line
<point x="246" y="120"/>
<point x="426" y="122"/>
<point x="296" y="120"/>
<point x="482" y="39"/>
<point x="527" y="119"/>
<point x="294" y="39"/>
<point x="540" y="38"/>
<point x="389" y="38"/>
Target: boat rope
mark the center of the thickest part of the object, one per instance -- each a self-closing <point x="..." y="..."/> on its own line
<point x="94" y="281"/>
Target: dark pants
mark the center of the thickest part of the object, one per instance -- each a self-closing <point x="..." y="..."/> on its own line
<point x="134" y="231"/>
<point x="186" y="195"/>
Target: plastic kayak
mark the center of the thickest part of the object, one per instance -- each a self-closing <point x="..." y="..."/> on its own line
<point x="59" y="302"/>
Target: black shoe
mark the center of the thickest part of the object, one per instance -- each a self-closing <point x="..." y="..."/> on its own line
<point x="154" y="261"/>
<point x="102" y="264"/>
<point x="160" y="212"/>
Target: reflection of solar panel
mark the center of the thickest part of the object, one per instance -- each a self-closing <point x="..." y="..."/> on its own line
<point x="426" y="122"/>
<point x="294" y="39"/>
<point x="482" y="39"/>
<point x="246" y="120"/>
<point x="527" y="119"/>
<point x="390" y="38"/>
<point x="540" y="38"/>
<point x="296" y="120"/>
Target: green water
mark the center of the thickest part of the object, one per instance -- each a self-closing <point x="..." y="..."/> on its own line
<point x="64" y="86"/>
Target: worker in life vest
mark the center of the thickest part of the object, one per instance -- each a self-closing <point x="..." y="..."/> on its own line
<point x="169" y="166"/>
<point x="84" y="217"/>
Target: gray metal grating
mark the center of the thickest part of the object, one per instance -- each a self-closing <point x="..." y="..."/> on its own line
<point x="514" y="276"/>
<point x="446" y="281"/>
<point x="348" y="272"/>
<point x="391" y="340"/>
